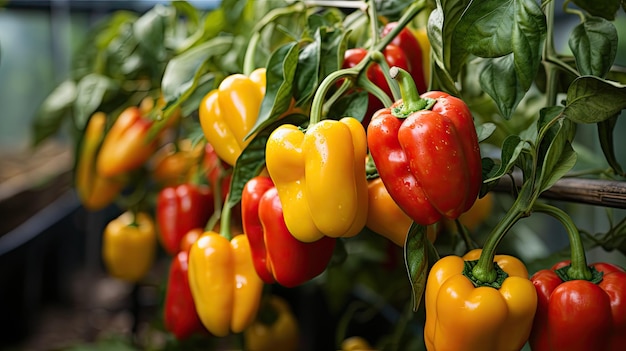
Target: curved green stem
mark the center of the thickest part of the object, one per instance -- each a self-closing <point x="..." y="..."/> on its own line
<point x="217" y="202"/>
<point x="578" y="268"/>
<point x="322" y="90"/>
<point x="373" y="89"/>
<point x="548" y="48"/>
<point x="571" y="11"/>
<point x="484" y="270"/>
<point x="248" y="59"/>
<point x="373" y="18"/>
<point x="411" y="100"/>
<point x="225" y="221"/>
<point x="249" y="65"/>
<point x="318" y="99"/>
<point x="379" y="58"/>
<point x="407" y="17"/>
<point x="336" y="95"/>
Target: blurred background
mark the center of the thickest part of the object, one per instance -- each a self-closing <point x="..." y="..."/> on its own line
<point x="54" y="293"/>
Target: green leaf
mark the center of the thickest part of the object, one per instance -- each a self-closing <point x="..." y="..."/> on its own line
<point x="564" y="164"/>
<point x="555" y="154"/>
<point x="509" y="34"/>
<point x="252" y="158"/>
<point x="416" y="261"/>
<point x="183" y="72"/>
<point x="485" y="130"/>
<point x="606" y="8"/>
<point x="605" y="135"/>
<point x="205" y="84"/>
<point x="234" y="10"/>
<point x="149" y="29"/>
<point x="191" y="14"/>
<point x="280" y="73"/>
<point x="352" y="105"/>
<point x="306" y="77"/>
<point x="485" y="28"/>
<point x="511" y="149"/>
<point x="594" y="45"/>
<point x="92" y="90"/>
<point x="442" y="23"/>
<point x="499" y="80"/>
<point x="591" y="99"/>
<point x="53" y="111"/>
<point x="529" y="33"/>
<point x="334" y="45"/>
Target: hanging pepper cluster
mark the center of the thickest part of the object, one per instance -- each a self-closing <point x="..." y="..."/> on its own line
<point x="268" y="146"/>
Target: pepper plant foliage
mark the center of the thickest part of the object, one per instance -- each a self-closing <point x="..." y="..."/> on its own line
<point x="511" y="45"/>
<point x="499" y="56"/>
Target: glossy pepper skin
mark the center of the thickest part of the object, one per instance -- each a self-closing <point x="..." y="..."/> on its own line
<point x="279" y="334"/>
<point x="320" y="177"/>
<point x="278" y="256"/>
<point x="179" y="209"/>
<point x="129" y="246"/>
<point x="127" y="145"/>
<point x="384" y="216"/>
<point x="429" y="160"/>
<point x="179" y="314"/>
<point x="460" y="316"/>
<point x="580" y="315"/>
<point x="94" y="191"/>
<point x="229" y="112"/>
<point x="225" y="287"/>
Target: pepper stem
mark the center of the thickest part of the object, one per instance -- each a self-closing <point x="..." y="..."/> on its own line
<point x="379" y="58"/>
<point x="225" y="221"/>
<point x="484" y="270"/>
<point x="578" y="268"/>
<point x="411" y="100"/>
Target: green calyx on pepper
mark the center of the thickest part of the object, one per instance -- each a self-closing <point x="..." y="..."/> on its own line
<point x="426" y="152"/>
<point x="278" y="256"/>
<point x="463" y="316"/>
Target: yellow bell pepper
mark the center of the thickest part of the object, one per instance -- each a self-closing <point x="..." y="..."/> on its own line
<point x="94" y="191"/>
<point x="320" y="177"/>
<point x="421" y="35"/>
<point x="279" y="334"/>
<point x="356" y="343"/>
<point x="228" y="113"/>
<point x="386" y="218"/>
<point x="225" y="287"/>
<point x="127" y="145"/>
<point x="129" y="246"/>
<point x="461" y="316"/>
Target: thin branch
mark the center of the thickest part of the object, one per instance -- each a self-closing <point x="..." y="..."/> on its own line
<point x="598" y="192"/>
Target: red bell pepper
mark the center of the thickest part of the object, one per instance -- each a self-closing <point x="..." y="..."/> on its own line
<point x="413" y="51"/>
<point x="404" y="51"/>
<point x="278" y="256"/>
<point x="180" y="209"/>
<point x="580" y="314"/>
<point x="426" y="152"/>
<point x="217" y="171"/>
<point x="180" y="316"/>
